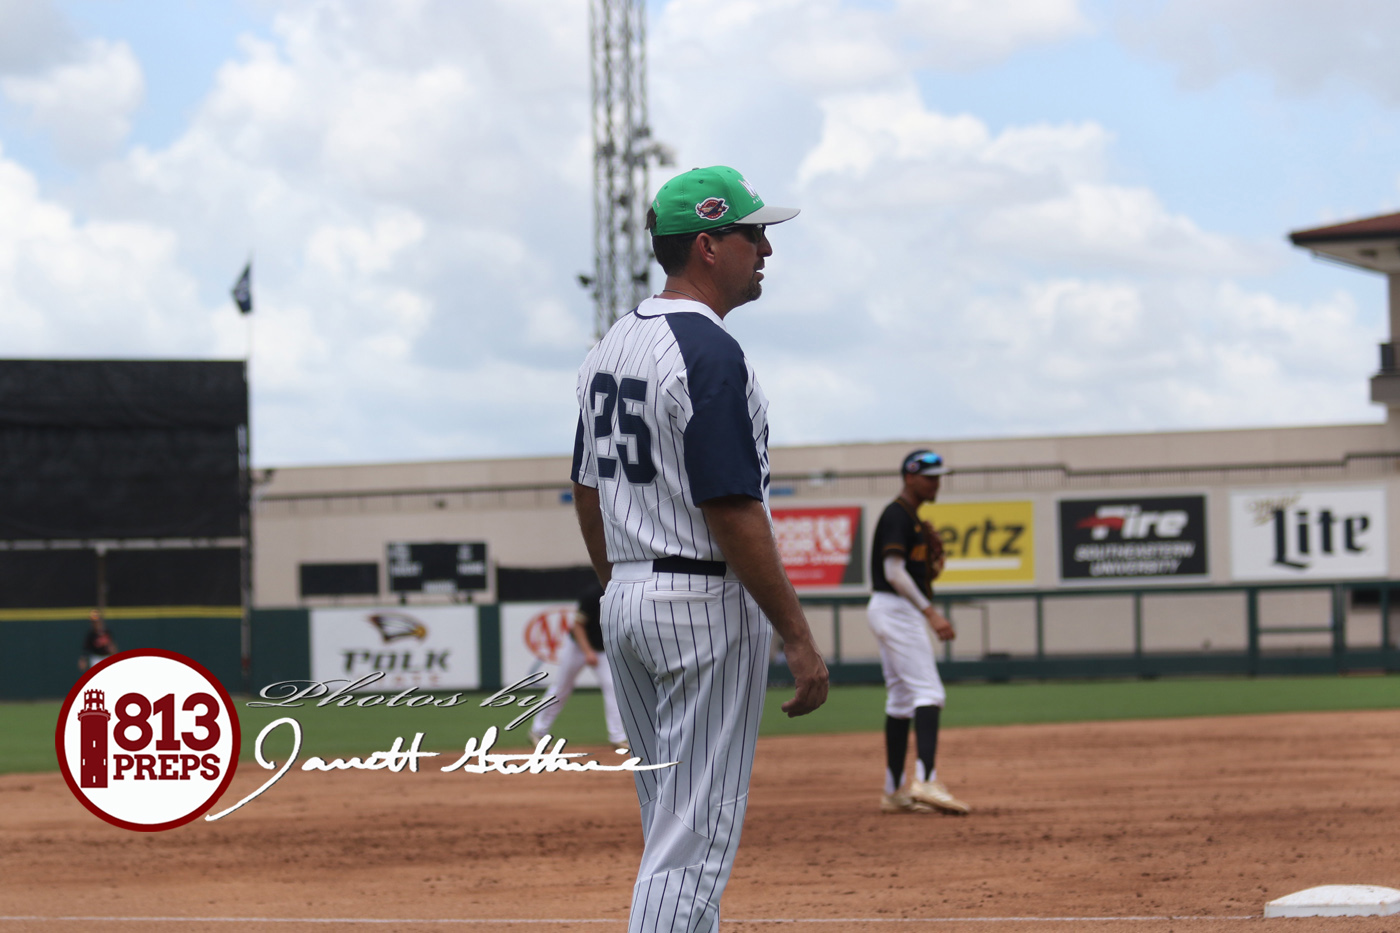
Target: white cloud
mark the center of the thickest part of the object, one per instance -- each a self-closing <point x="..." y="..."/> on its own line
<point x="85" y="105"/>
<point x="1122" y="228"/>
<point x="827" y="45"/>
<point x="100" y="287"/>
<point x="968" y="33"/>
<point x="1303" y="45"/>
<point x="35" y="35"/>
<point x="414" y="183"/>
<point x="413" y="180"/>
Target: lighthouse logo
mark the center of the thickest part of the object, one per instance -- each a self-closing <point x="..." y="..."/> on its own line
<point x="147" y="740"/>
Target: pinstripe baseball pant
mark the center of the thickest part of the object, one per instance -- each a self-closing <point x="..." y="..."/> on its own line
<point x="689" y="659"/>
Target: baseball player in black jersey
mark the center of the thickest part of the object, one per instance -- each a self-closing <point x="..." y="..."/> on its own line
<point x="905" y="558"/>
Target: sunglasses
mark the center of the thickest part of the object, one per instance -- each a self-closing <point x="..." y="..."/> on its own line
<point x="921" y="461"/>
<point x="754" y="232"/>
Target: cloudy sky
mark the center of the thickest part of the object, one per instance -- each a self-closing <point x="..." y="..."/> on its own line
<point x="1019" y="216"/>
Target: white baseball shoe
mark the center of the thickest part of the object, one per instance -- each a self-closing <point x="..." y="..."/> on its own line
<point x="901" y="802"/>
<point x="935" y="795"/>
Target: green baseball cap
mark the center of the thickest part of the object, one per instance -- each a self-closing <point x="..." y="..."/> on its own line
<point x="706" y="198"/>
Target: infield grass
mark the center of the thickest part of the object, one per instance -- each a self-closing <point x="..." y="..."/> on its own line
<point x="27" y="728"/>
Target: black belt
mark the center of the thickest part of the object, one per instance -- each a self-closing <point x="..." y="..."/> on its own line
<point x="707" y="568"/>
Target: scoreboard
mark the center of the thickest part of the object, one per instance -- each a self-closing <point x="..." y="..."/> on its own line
<point x="437" y="567"/>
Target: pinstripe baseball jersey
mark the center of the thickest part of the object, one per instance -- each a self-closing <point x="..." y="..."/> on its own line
<point x="670" y="415"/>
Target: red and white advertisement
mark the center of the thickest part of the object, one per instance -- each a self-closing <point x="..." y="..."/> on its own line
<point x="821" y="547"/>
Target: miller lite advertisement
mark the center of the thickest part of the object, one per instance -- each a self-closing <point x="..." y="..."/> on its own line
<point x="432" y="647"/>
<point x="1301" y="534"/>
<point x="532" y="635"/>
<point x="1133" y="537"/>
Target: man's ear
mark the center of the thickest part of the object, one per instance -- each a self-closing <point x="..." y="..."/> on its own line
<point x="704" y="248"/>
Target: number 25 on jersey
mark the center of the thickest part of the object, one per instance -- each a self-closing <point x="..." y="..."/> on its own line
<point x="617" y="413"/>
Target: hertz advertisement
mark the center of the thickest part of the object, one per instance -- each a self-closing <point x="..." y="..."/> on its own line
<point x="985" y="543"/>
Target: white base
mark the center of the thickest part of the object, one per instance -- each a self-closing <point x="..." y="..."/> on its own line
<point x="1337" y="900"/>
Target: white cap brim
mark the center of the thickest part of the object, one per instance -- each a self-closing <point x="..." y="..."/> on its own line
<point x="769" y="214"/>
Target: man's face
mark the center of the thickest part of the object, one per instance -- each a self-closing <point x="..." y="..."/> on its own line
<point x="925" y="487"/>
<point x="740" y="262"/>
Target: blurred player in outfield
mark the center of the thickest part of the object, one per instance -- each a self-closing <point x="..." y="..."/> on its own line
<point x="583" y="647"/>
<point x="98" y="643"/>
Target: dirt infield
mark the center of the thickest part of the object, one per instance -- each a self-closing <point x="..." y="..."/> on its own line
<point x="1100" y="827"/>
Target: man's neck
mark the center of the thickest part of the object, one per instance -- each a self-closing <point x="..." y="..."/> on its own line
<point x="678" y="288"/>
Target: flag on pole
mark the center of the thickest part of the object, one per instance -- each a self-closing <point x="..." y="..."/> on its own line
<point x="243" y="289"/>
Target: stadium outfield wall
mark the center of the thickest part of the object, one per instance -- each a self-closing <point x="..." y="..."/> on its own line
<point x="1246" y="551"/>
<point x="1048" y="538"/>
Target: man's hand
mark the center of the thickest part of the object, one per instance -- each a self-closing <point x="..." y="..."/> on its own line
<point x="940" y="625"/>
<point x="741" y="528"/>
<point x="809" y="670"/>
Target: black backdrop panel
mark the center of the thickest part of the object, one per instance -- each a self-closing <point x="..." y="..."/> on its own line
<point x="48" y="579"/>
<point x="120" y="449"/>
<point x="543" y="584"/>
<point x="339" y="579"/>
<point x="203" y="577"/>
<point x="125" y="393"/>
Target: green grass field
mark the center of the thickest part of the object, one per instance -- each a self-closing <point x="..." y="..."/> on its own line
<point x="27" y="729"/>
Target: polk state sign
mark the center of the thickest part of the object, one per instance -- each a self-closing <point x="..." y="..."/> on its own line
<point x="1298" y="534"/>
<point x="1132" y="537"/>
<point x="432" y="647"/>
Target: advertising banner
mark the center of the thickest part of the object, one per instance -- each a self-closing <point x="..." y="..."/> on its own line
<point x="985" y="543"/>
<point x="531" y="636"/>
<point x="1299" y="534"/>
<point x="1132" y="537"/>
<point x="432" y="647"/>
<point x="823" y="547"/>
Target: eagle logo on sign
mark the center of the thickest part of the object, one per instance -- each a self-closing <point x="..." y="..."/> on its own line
<point x="712" y="208"/>
<point x="394" y="626"/>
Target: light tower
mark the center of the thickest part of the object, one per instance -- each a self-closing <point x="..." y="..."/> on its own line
<point x="622" y="150"/>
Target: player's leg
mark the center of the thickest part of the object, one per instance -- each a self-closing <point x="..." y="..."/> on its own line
<point x="632" y="684"/>
<point x="611" y="717"/>
<point x="926" y="738"/>
<point x="566" y="675"/>
<point x="905" y="648"/>
<point x="896" y="750"/>
<point x="900" y="634"/>
<point x="710" y="660"/>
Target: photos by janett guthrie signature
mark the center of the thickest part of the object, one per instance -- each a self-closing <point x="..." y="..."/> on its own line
<point x="548" y="755"/>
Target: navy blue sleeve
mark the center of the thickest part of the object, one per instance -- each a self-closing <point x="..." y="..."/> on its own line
<point x="721" y="455"/>
<point x="576" y="470"/>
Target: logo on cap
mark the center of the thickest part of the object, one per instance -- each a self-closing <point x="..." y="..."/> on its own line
<point x="749" y="188"/>
<point x="712" y="208"/>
